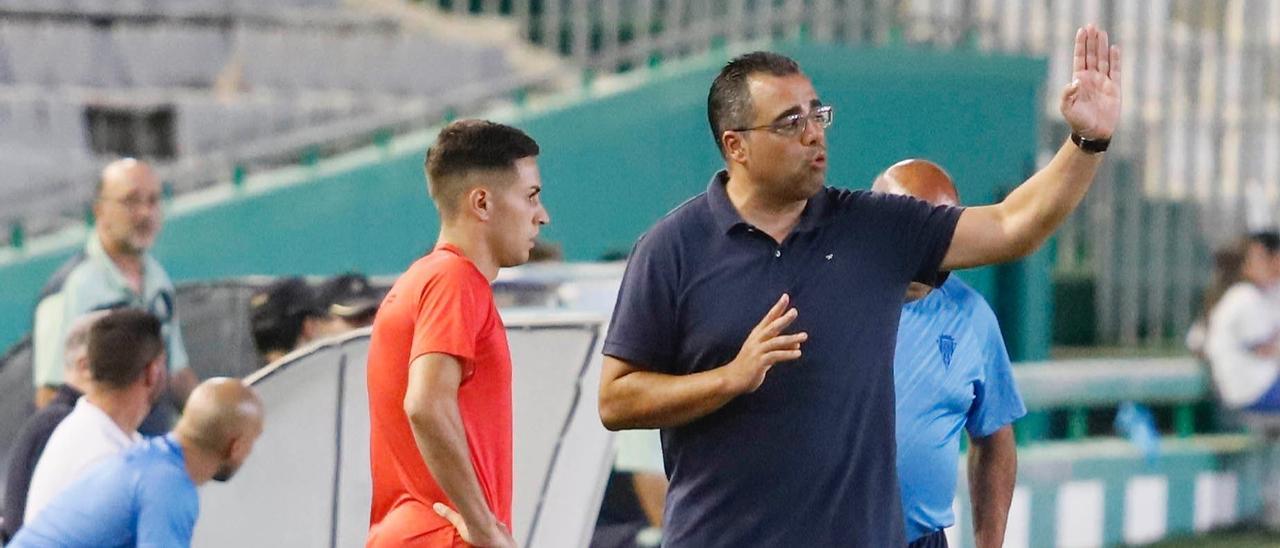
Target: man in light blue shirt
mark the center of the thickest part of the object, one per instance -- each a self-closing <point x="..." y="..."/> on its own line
<point x="146" y="496"/>
<point x="951" y="371"/>
<point x="114" y="270"/>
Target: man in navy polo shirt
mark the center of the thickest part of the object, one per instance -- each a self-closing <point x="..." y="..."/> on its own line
<point x="770" y="267"/>
<point x="951" y="372"/>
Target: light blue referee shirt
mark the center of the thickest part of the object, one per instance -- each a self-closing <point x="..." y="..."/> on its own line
<point x="142" y="497"/>
<point x="951" y="371"/>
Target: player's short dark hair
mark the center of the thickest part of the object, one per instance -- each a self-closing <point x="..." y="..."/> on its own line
<point x="466" y="146"/>
<point x="729" y="102"/>
<point x="121" y="344"/>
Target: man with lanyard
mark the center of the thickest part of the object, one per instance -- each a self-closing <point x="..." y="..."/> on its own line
<point x="771" y="267"/>
<point x="950" y="371"/>
<point x="115" y="270"/>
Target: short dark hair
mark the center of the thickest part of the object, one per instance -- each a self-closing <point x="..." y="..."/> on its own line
<point x="729" y="102"/>
<point x="278" y="312"/>
<point x="465" y="146"/>
<point x="1268" y="239"/>
<point x="121" y="344"/>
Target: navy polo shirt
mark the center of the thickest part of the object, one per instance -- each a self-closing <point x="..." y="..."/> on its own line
<point x="808" y="459"/>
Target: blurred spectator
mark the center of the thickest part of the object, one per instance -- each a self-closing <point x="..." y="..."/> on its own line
<point x="284" y="316"/>
<point x="127" y="375"/>
<point x="1227" y="263"/>
<point x="33" y="437"/>
<point x="546" y="251"/>
<point x="147" y="496"/>
<point x="114" y="270"/>
<point x="1243" y="343"/>
<point x="634" y="499"/>
<point x="350" y="301"/>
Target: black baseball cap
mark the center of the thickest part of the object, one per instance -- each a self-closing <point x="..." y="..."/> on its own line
<point x="281" y="302"/>
<point x="349" y="295"/>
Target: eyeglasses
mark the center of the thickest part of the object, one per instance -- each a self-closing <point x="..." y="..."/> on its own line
<point x="136" y="202"/>
<point x="795" y="124"/>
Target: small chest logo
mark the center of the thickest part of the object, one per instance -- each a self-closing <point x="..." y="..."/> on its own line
<point x="946" y="347"/>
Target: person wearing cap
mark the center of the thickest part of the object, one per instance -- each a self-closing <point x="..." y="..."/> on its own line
<point x="284" y="316"/>
<point x="350" y="301"/>
<point x="951" y="371"/>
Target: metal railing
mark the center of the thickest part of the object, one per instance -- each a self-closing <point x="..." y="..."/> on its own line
<point x="56" y="197"/>
<point x="1197" y="161"/>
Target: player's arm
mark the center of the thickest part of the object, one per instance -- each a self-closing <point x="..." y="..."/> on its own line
<point x="993" y="470"/>
<point x="635" y="397"/>
<point x="1028" y="216"/>
<point x="431" y="403"/>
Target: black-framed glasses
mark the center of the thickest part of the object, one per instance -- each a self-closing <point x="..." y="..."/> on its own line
<point x="795" y="124"/>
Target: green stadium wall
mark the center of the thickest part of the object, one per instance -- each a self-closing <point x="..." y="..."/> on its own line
<point x="612" y="164"/>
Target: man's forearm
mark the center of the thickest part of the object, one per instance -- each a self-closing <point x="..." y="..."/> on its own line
<point x="442" y="442"/>
<point x="644" y="399"/>
<point x="993" y="471"/>
<point x="1038" y="206"/>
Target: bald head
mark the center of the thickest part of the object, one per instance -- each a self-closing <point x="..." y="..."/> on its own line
<point x="127" y="207"/>
<point x="124" y="173"/>
<point x="919" y="178"/>
<point x="220" y="413"/>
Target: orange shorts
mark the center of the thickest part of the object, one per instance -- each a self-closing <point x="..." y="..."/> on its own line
<point x="412" y="524"/>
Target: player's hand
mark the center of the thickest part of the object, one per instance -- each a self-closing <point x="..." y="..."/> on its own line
<point x="764" y="347"/>
<point x="1091" y="102"/>
<point x="496" y="535"/>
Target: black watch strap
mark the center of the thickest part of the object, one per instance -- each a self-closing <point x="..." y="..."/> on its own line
<point x="1092" y="146"/>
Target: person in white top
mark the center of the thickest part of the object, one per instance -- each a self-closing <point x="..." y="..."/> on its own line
<point x="127" y="370"/>
<point x="1243" y="343"/>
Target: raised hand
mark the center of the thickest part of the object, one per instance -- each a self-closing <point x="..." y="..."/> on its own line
<point x="764" y="347"/>
<point x="1091" y="102"/>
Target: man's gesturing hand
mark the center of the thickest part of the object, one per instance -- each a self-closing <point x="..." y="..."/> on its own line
<point x="1091" y="102"/>
<point x="764" y="347"/>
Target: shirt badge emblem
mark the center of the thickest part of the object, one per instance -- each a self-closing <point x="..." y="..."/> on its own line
<point x="946" y="347"/>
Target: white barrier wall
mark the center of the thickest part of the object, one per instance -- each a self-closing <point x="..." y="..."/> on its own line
<point x="307" y="482"/>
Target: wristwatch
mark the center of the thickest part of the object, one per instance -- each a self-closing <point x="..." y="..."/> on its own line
<point x="1092" y="146"/>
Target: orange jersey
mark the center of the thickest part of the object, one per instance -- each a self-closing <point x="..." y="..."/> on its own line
<point x="441" y="304"/>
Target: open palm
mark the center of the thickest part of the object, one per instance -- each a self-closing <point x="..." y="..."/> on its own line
<point x="1091" y="102"/>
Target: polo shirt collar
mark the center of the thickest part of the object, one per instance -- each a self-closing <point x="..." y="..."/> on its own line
<point x="150" y="282"/>
<point x="103" y="421"/>
<point x="727" y="218"/>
